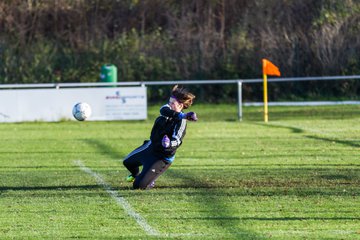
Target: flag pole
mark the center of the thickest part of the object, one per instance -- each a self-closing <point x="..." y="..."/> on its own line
<point x="268" y="69"/>
<point x="266" y="114"/>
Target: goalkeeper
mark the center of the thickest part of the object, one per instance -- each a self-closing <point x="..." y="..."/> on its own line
<point x="157" y="154"/>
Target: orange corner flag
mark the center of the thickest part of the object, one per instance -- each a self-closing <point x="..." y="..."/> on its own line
<point x="269" y="68"/>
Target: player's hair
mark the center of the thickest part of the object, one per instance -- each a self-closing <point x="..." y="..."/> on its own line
<point x="183" y="96"/>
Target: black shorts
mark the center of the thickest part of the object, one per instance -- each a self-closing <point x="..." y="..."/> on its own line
<point x="153" y="166"/>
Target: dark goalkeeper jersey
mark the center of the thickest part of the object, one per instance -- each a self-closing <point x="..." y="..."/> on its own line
<point x="170" y="124"/>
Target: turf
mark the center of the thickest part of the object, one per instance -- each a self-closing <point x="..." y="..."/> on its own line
<point x="296" y="177"/>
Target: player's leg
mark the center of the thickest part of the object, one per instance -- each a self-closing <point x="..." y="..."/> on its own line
<point x="133" y="161"/>
<point x="150" y="173"/>
<point x="132" y="164"/>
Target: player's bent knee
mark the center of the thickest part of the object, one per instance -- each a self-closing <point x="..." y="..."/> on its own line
<point x="126" y="163"/>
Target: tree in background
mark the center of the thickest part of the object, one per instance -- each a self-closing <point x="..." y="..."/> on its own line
<point x="69" y="40"/>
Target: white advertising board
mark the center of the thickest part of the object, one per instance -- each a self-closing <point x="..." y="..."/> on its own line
<point x="49" y="105"/>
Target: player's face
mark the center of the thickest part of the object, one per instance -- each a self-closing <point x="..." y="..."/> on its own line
<point x="175" y="105"/>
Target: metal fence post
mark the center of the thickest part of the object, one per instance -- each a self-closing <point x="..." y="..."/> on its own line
<point x="239" y="84"/>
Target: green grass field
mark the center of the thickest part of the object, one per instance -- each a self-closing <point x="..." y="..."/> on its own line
<point x="297" y="177"/>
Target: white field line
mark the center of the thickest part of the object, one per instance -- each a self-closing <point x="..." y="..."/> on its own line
<point x="119" y="199"/>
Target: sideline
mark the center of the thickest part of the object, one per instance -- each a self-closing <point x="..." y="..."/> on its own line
<point x="119" y="199"/>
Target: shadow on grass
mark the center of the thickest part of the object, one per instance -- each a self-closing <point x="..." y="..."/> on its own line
<point x="105" y="149"/>
<point x="280" y="218"/>
<point x="37" y="191"/>
<point x="268" y="165"/>
<point x="206" y="193"/>
<point x="50" y="188"/>
<point x="337" y="177"/>
<point x="214" y="204"/>
<point x="205" y="198"/>
<point x="268" y="182"/>
<point x="355" y="144"/>
<point x="293" y="129"/>
<point x="41" y="191"/>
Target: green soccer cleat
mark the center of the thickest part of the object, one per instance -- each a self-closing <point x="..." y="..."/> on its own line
<point x="130" y="178"/>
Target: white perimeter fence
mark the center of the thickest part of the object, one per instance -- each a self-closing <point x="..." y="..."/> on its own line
<point x="238" y="82"/>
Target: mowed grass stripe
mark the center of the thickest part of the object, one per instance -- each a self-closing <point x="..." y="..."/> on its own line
<point x="296" y="177"/>
<point x="119" y="199"/>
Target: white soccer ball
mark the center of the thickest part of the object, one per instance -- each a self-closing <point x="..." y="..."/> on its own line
<point x="81" y="111"/>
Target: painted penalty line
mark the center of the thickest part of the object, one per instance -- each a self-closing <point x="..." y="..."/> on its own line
<point x="119" y="199"/>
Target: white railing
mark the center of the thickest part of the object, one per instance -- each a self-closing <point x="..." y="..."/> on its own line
<point x="239" y="83"/>
<point x="173" y="82"/>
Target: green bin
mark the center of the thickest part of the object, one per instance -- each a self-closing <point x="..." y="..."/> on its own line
<point x="108" y="73"/>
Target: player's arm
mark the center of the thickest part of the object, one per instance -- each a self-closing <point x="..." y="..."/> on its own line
<point x="166" y="111"/>
<point x="174" y="141"/>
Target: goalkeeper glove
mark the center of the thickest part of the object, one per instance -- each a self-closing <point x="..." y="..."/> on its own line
<point x="191" y="116"/>
<point x="165" y="142"/>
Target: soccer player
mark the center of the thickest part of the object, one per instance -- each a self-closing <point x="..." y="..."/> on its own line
<point x="156" y="155"/>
